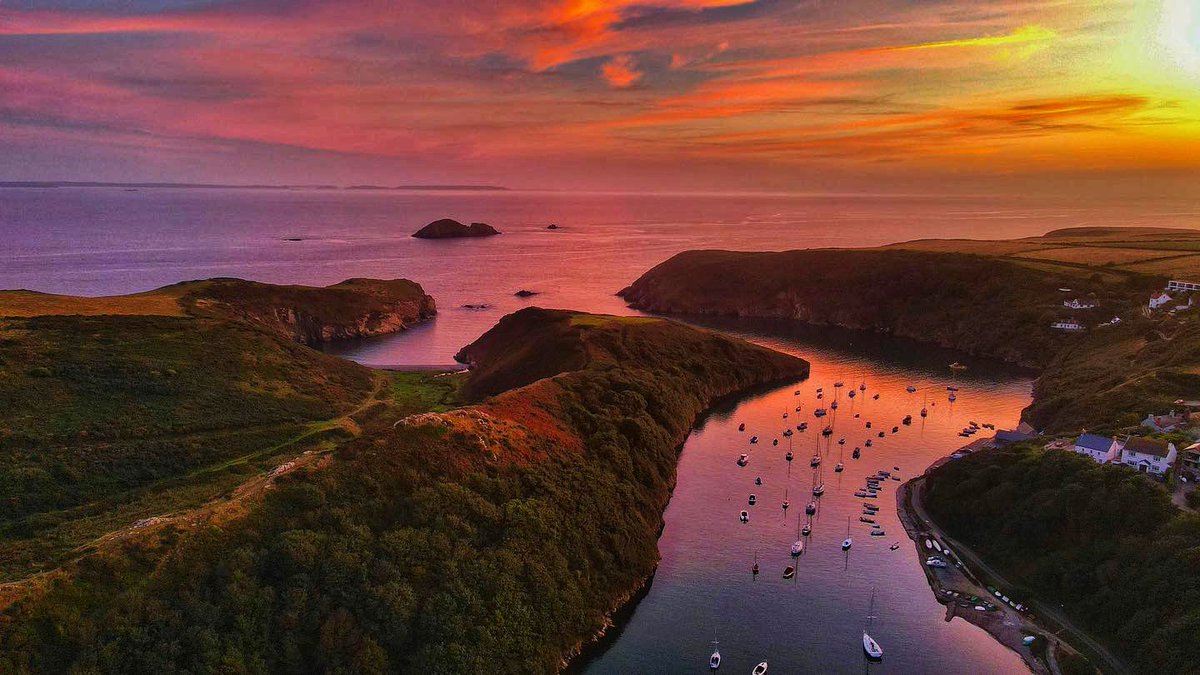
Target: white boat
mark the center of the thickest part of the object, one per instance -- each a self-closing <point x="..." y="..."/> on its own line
<point x="760" y="669"/>
<point x="745" y="517"/>
<point x="816" y="459"/>
<point x="811" y="508"/>
<point x="743" y="460"/>
<point x="797" y="548"/>
<point x="846" y="543"/>
<point x="839" y="467"/>
<point x="819" y="412"/>
<point x="806" y="530"/>
<point x="714" y="661"/>
<point x="818" y="489"/>
<point x="870" y="646"/>
<point x="789" y="572"/>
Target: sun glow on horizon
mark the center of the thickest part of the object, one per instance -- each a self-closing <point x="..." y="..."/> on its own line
<point x="556" y="92"/>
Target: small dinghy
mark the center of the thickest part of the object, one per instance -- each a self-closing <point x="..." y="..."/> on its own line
<point x="818" y="489"/>
<point x="875" y="397"/>
<point x="827" y="431"/>
<point x="760" y="669"/>
<point x="789" y="572"/>
<point x="869" y="443"/>
<point x="811" y="508"/>
<point x="775" y="441"/>
<point x="787" y="433"/>
<point x="806" y="530"/>
<point x="857" y="453"/>
<point x="910" y="389"/>
<point x="850" y="393"/>
<point x="924" y="412"/>
<point x="754" y="439"/>
<point x="894" y="546"/>
<point x="842" y="440"/>
<point x="745" y="517"/>
<point x="742" y="426"/>
<point x="714" y="661"/>
<point x="743" y="460"/>
<point x="907" y="420"/>
<point x="819" y="412"/>
<point x="816" y="459"/>
<point x="758" y="480"/>
<point x="834" y="405"/>
<point x="788" y="456"/>
<point x="868" y="424"/>
<point x="839" y="467"/>
<point x="753" y="499"/>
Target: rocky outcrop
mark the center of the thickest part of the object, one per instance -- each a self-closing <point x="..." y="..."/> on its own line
<point x="447" y="228"/>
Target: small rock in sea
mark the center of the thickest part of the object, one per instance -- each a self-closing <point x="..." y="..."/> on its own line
<point x="524" y="293"/>
<point x="552" y="226"/>
<point x="478" y="306"/>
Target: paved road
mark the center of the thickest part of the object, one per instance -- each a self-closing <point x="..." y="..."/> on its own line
<point x="1113" y="664"/>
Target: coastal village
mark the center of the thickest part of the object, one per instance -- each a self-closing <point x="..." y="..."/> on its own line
<point x="1164" y="445"/>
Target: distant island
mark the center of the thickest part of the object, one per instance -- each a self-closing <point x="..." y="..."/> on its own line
<point x="46" y="184"/>
<point x="448" y="188"/>
<point x="448" y="228"/>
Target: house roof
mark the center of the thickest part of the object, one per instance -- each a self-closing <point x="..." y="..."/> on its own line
<point x="1148" y="446"/>
<point x="1156" y="295"/>
<point x="1003" y="437"/>
<point x="1027" y="429"/>
<point x="1094" y="442"/>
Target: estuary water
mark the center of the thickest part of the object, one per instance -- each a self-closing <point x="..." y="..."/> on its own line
<point x="97" y="241"/>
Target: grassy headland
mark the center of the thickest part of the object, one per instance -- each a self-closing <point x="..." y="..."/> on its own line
<point x="995" y="299"/>
<point x="495" y="536"/>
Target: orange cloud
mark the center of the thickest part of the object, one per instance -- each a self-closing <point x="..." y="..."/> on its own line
<point x="621" y="71"/>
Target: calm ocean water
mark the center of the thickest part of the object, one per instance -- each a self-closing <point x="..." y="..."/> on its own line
<point x="104" y="241"/>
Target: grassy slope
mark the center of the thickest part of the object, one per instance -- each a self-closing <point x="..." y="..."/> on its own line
<point x="1103" y="541"/>
<point x="107" y="416"/>
<point x="552" y="492"/>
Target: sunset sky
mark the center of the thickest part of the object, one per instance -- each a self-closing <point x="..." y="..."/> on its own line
<point x="629" y="94"/>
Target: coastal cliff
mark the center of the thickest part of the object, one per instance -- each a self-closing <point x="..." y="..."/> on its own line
<point x="311" y="315"/>
<point x="545" y="470"/>
<point x="974" y="304"/>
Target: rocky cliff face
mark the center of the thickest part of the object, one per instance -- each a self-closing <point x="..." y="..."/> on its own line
<point x="310" y="329"/>
<point x="354" y="308"/>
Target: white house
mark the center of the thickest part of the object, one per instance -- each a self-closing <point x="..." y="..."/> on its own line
<point x="1079" y="304"/>
<point x="1102" y="449"/>
<point x="1183" y="286"/>
<point x="1148" y="455"/>
<point x="1069" y="324"/>
<point x="1158" y="299"/>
